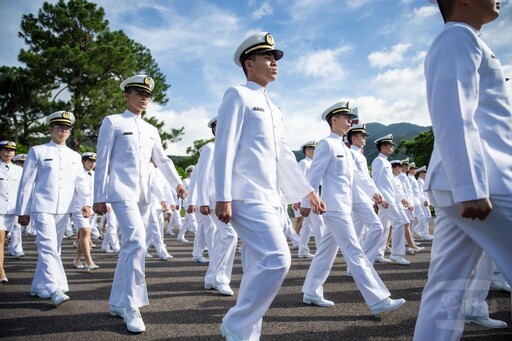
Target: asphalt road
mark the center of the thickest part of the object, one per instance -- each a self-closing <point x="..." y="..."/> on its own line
<point x="180" y="309"/>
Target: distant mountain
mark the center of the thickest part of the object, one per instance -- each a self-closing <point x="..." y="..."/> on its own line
<point x="400" y="131"/>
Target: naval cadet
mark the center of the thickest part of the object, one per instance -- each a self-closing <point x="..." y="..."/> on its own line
<point x="333" y="166"/>
<point x="126" y="144"/>
<point x="223" y="238"/>
<point x="469" y="180"/>
<point x="384" y="180"/>
<point x="365" y="195"/>
<point x="51" y="188"/>
<point x="82" y="224"/>
<point x="314" y="223"/>
<point x="10" y="175"/>
<point x="252" y="163"/>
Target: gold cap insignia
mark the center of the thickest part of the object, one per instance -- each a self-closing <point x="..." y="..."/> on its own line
<point x="148" y="80"/>
<point x="65" y="114"/>
<point x="269" y="39"/>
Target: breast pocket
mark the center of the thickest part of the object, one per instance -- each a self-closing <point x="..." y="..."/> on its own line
<point x="260" y="124"/>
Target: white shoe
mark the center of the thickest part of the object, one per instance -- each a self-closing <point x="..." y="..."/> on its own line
<point x="319" y="301"/>
<point x="183" y="240"/>
<point x="224" y="289"/>
<point x="148" y="255"/>
<point x="349" y="273"/>
<point x="426" y="237"/>
<point x="306" y="255"/>
<point x="499" y="282"/>
<point x="117" y="311"/>
<point x="385" y="305"/>
<point x="107" y="250"/>
<point x="382" y="260"/>
<point x="19" y="254"/>
<point x="200" y="259"/>
<point x="166" y="257"/>
<point x="229" y="335"/>
<point x="59" y="297"/>
<point x="416" y="249"/>
<point x="486" y="321"/>
<point x="399" y="260"/>
<point x="133" y="321"/>
<point x="40" y="293"/>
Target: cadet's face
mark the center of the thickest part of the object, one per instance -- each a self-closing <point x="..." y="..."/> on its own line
<point x="359" y="140"/>
<point x="137" y="101"/>
<point x="488" y="10"/>
<point x="89" y="164"/>
<point x="341" y="124"/>
<point x="59" y="133"/>
<point x="6" y="154"/>
<point x="387" y="149"/>
<point x="263" y="69"/>
<point x="396" y="170"/>
<point x="310" y="152"/>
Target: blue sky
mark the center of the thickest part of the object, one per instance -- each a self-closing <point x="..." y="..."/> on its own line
<point x="367" y="51"/>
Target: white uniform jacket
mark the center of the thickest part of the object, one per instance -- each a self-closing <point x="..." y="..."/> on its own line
<point x="383" y="178"/>
<point x="205" y="177"/>
<point x="363" y="187"/>
<point x="423" y="194"/>
<point x="9" y="183"/>
<point x="53" y="178"/>
<point x="470" y="117"/>
<point x="334" y="167"/>
<point x="157" y="194"/>
<point x="126" y="143"/>
<point x="252" y="158"/>
<point x="407" y="189"/>
<point x="415" y="189"/>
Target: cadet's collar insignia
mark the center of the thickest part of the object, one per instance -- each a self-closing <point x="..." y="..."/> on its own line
<point x="48" y="159"/>
<point x="258" y="109"/>
<point x="339" y="155"/>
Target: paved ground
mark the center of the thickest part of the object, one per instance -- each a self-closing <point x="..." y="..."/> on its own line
<point x="180" y="309"/>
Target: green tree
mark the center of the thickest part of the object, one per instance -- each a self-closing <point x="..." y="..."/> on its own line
<point x="419" y="148"/>
<point x="22" y="98"/>
<point x="193" y="151"/>
<point x="70" y="46"/>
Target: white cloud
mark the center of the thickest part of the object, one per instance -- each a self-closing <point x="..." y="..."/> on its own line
<point x="425" y="12"/>
<point x="322" y="64"/>
<point x="195" y="121"/>
<point x="384" y="58"/>
<point x="263" y="11"/>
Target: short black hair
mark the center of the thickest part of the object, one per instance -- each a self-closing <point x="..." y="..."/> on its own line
<point x="249" y="57"/>
<point x="446" y="8"/>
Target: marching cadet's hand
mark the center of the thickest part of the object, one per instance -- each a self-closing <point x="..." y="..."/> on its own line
<point x="164" y="206"/>
<point x="86" y="211"/>
<point x="100" y="208"/>
<point x="405" y="203"/>
<point x="181" y="191"/>
<point x="23" y="220"/>
<point x="377" y="198"/>
<point x="304" y="212"/>
<point x="223" y="211"/>
<point x="425" y="203"/>
<point x="316" y="204"/>
<point x="173" y="207"/>
<point x="205" y="210"/>
<point x="384" y="204"/>
<point x="473" y="209"/>
<point x="410" y="208"/>
<point x="191" y="209"/>
<point x="296" y="206"/>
